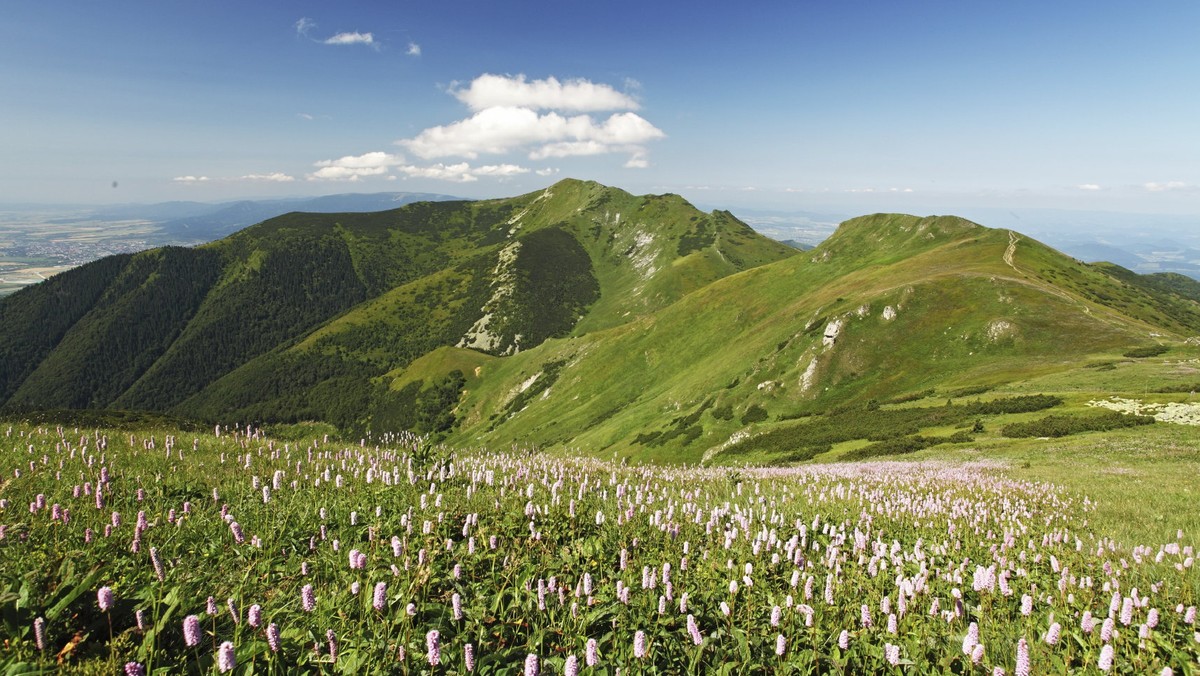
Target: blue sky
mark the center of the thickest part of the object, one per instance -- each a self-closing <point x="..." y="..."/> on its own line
<point x="858" y="106"/>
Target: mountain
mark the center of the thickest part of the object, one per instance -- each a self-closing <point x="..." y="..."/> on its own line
<point x="890" y="305"/>
<point x="301" y="316"/>
<point x="579" y="316"/>
<point x="212" y="221"/>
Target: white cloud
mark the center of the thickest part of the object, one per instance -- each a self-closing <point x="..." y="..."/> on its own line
<point x="304" y="25"/>
<point x="462" y="172"/>
<point x="505" y="129"/>
<point x="413" y="49"/>
<point x="502" y="170"/>
<point x="351" y="39"/>
<point x="354" y="167"/>
<point x="637" y="161"/>
<point x="275" y="177"/>
<point x="304" y="116"/>
<point x="190" y="179"/>
<point x="1168" y="186"/>
<point x="548" y="171"/>
<point x="578" y="95"/>
<point x="1088" y="186"/>
<point x="569" y="149"/>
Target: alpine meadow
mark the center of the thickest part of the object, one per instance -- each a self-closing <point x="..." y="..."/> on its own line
<point x="581" y="431"/>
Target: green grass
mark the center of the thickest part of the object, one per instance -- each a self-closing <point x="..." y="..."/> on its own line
<point x="1145" y="481"/>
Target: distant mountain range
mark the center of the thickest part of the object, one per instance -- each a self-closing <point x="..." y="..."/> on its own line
<point x="577" y="316"/>
<point x="199" y="222"/>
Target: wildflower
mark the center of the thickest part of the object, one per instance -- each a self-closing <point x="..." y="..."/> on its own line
<point x="210" y="606"/>
<point x="725" y="609"/>
<point x="866" y="616"/>
<point x="226" y="659"/>
<point x="331" y="639"/>
<point x="105" y="598"/>
<point x="308" y="600"/>
<point x="134" y="669"/>
<point x="233" y="611"/>
<point x="273" y="637"/>
<point x="379" y="600"/>
<point x="191" y="631"/>
<point x="156" y="561"/>
<point x="592" y="653"/>
<point x="694" y="630"/>
<point x="1026" y="605"/>
<point x="1108" y="630"/>
<point x="639" y="644"/>
<point x="469" y="657"/>
<point x="254" y="616"/>
<point x="456" y="606"/>
<point x="971" y="639"/>
<point x="1105" y="662"/>
<point x="780" y="645"/>
<point x="238" y="536"/>
<point x="39" y="632"/>
<point x="432" y="647"/>
<point x="1023" y="667"/>
<point x="1053" y="634"/>
<point x="571" y="666"/>
<point x="531" y="665"/>
<point x="776" y="616"/>
<point x="844" y="640"/>
<point x="977" y="654"/>
<point x="892" y="654"/>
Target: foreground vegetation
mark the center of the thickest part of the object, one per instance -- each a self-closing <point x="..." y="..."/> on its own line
<point x="189" y="552"/>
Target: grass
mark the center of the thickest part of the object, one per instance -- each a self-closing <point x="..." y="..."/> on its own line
<point x="1144" y="481"/>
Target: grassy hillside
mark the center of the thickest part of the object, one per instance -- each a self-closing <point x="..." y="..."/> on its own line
<point x="890" y="305"/>
<point x="301" y="316"/>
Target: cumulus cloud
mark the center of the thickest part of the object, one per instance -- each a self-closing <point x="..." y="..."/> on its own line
<point x="274" y="177"/>
<point x="506" y="129"/>
<point x="1165" y="187"/>
<point x="354" y="167"/>
<point x="578" y="95"/>
<point x="379" y="163"/>
<point x="354" y="38"/>
<point x="413" y="49"/>
<point x="462" y="172"/>
<point x="541" y="119"/>
<point x="190" y="179"/>
<point x="548" y="171"/>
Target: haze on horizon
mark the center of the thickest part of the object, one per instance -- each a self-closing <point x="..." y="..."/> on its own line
<point x="860" y="106"/>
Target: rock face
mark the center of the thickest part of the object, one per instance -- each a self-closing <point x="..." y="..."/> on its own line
<point x="832" y="330"/>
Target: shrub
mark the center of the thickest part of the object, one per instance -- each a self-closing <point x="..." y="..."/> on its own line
<point x="1063" y="425"/>
<point x="754" y="414"/>
<point x="1147" y="351"/>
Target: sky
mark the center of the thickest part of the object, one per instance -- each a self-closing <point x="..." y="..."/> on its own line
<point x="922" y="107"/>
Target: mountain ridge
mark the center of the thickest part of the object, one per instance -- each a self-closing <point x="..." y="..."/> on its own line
<point x="575" y="315"/>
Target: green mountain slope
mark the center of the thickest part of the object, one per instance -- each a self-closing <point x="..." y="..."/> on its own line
<point x="300" y="316"/>
<point x="888" y="305"/>
<point x="578" y="316"/>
